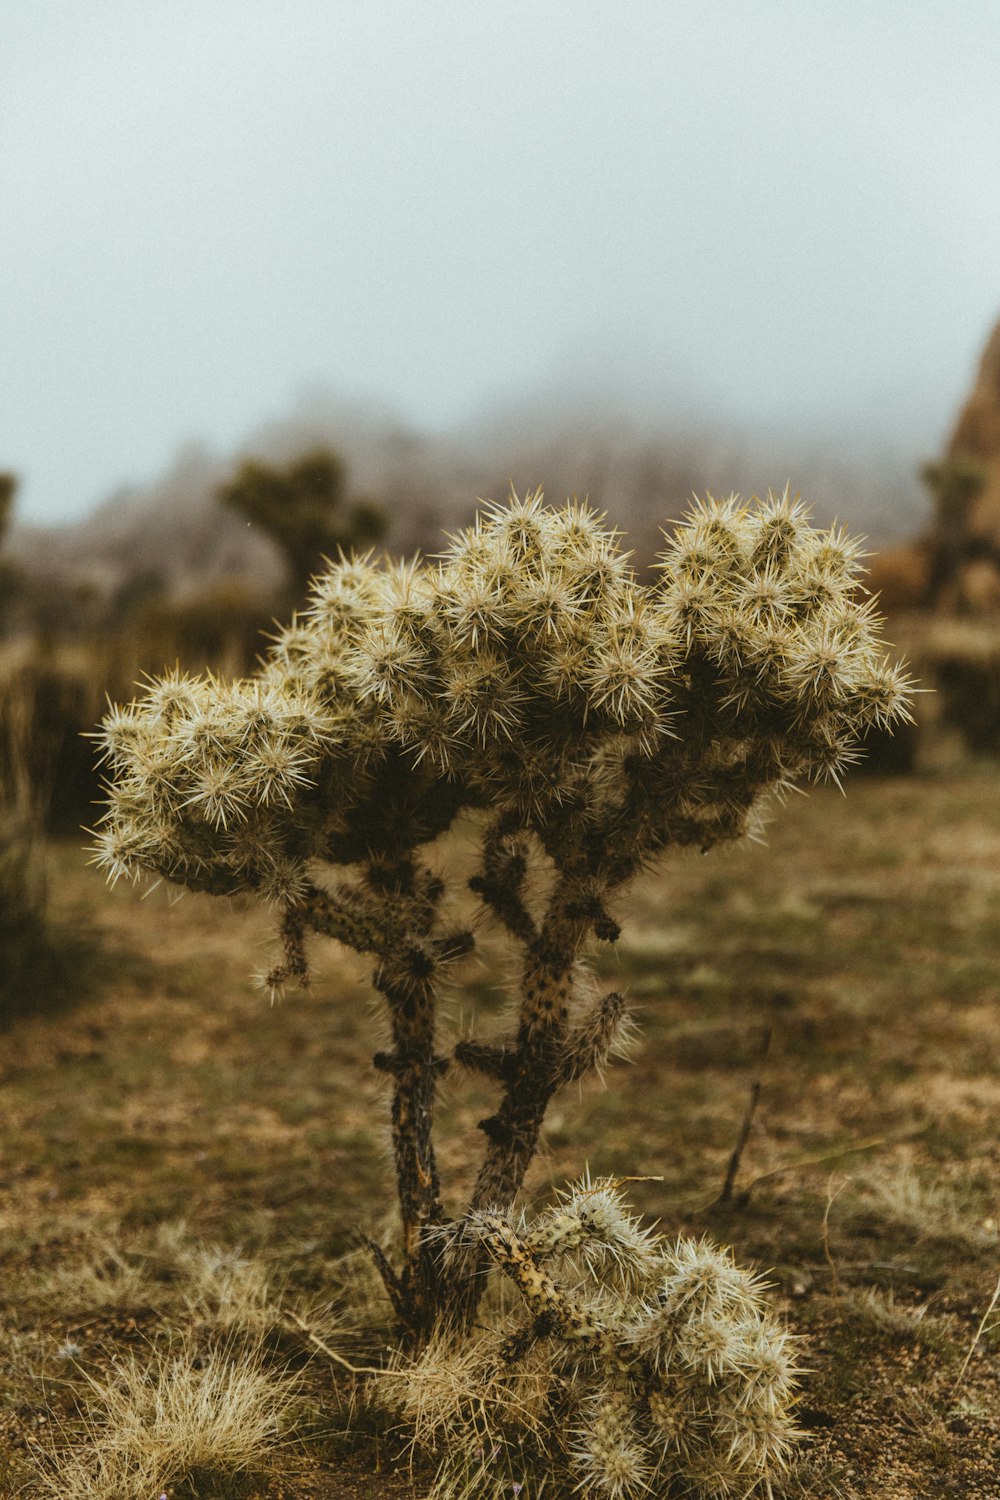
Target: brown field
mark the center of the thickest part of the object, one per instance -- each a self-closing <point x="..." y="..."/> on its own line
<point x="185" y="1164"/>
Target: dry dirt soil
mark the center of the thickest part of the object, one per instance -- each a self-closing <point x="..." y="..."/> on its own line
<point x="154" y="1102"/>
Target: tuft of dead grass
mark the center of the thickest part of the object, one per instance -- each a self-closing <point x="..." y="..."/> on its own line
<point x="879" y="1309"/>
<point x="218" y="1288"/>
<point x="926" y="1207"/>
<point x="167" y="1418"/>
<point x="105" y="1278"/>
<point x="227" y="1288"/>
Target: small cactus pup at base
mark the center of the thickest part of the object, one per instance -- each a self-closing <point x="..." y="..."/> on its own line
<point x="633" y="1364"/>
<point x="587" y="721"/>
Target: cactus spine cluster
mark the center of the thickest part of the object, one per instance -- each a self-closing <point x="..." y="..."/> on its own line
<point x="643" y="1361"/>
<point x="589" y="720"/>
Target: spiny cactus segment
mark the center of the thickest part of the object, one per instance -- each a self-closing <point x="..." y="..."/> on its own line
<point x="644" y="1361"/>
<point x="528" y="677"/>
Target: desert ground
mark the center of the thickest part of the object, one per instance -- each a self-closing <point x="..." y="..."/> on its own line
<point x="188" y="1167"/>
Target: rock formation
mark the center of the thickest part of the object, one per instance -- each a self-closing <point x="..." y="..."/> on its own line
<point x="953" y="568"/>
<point x="966" y="490"/>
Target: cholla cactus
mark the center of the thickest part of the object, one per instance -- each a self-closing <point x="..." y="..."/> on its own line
<point x="588" y="720"/>
<point x="643" y="1361"/>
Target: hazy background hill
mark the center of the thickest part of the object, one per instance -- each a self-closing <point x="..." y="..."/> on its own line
<point x="632" y="461"/>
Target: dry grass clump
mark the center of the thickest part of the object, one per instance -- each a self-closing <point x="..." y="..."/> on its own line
<point x="224" y="1289"/>
<point x="929" y="1209"/>
<point x="878" y="1308"/>
<point x="221" y="1286"/>
<point x="626" y="1364"/>
<point x="107" y="1277"/>
<point x="171" y="1418"/>
<point x="232" y="1291"/>
<point x="215" y="1290"/>
<point x="206" y="1399"/>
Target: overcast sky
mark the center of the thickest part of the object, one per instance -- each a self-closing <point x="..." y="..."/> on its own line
<point x="777" y="211"/>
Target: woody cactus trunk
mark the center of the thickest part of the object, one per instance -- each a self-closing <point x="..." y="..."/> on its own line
<point x="587" y="721"/>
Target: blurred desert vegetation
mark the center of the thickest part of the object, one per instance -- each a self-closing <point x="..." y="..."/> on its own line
<point x="199" y="566"/>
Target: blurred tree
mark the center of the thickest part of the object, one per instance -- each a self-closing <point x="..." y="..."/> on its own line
<point x="8" y="488"/>
<point x="136" y="591"/>
<point x="11" y="580"/>
<point x="304" y="509"/>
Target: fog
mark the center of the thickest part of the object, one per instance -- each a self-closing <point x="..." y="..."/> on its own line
<point x="627" y="459"/>
<point x="772" y="228"/>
